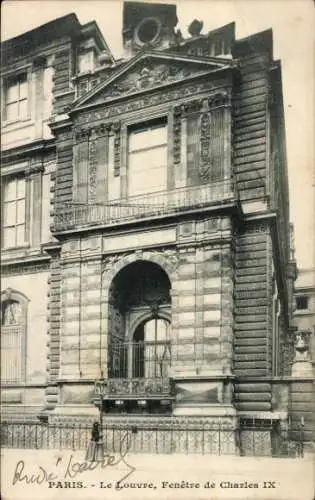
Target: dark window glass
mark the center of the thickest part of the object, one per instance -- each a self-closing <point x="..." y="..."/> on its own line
<point x="302" y="302"/>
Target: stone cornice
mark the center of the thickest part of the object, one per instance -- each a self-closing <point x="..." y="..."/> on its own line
<point x="20" y="152"/>
<point x="26" y="266"/>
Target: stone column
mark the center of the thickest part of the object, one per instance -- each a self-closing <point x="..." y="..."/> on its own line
<point x="33" y="215"/>
<point x="38" y="96"/>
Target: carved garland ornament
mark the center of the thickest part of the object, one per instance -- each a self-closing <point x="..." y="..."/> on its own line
<point x="92" y="168"/>
<point x="177" y="132"/>
<point x="116" y="130"/>
<point x="205" y="166"/>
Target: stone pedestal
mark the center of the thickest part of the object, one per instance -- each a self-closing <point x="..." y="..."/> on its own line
<point x="68" y="415"/>
<point x="302" y="365"/>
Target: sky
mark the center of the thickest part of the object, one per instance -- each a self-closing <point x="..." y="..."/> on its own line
<point x="293" y="24"/>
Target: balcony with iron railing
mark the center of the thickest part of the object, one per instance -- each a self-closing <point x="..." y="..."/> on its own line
<point x="137" y="369"/>
<point x="152" y="205"/>
<point x="143" y="370"/>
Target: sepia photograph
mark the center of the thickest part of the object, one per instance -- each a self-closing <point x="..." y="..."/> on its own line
<point x="157" y="249"/>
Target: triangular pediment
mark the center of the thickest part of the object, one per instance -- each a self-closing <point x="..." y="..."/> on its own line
<point x="148" y="71"/>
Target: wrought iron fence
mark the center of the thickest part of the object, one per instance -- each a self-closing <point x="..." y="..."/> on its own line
<point x="146" y="205"/>
<point x="265" y="437"/>
<point x="161" y="436"/>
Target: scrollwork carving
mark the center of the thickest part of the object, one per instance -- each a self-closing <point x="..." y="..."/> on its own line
<point x="101" y="129"/>
<point x="220" y="98"/>
<point x="172" y="259"/>
<point x="110" y="260"/>
<point x="191" y="107"/>
<point x="81" y="135"/>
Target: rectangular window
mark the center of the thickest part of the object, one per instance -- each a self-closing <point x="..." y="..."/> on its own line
<point x="302" y="302"/>
<point x="16" y="98"/>
<point x="147" y="158"/>
<point x="86" y="61"/>
<point x="13" y="218"/>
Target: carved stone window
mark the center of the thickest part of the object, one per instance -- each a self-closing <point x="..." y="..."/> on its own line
<point x="13" y="336"/>
<point x="147" y="157"/>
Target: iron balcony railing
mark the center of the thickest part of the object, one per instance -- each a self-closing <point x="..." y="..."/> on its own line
<point x="137" y="369"/>
<point x="145" y="206"/>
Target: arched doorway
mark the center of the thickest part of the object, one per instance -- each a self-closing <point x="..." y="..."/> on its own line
<point x="139" y="341"/>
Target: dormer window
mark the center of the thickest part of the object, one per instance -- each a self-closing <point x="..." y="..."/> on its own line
<point x="86" y="61"/>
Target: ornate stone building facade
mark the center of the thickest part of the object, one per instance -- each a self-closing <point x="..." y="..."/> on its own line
<point x="304" y="314"/>
<point x="165" y="282"/>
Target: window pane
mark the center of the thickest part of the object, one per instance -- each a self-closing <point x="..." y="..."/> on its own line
<point x="163" y="327"/>
<point x="153" y="136"/>
<point x="145" y="177"/>
<point x="23" y="109"/>
<point x="10" y="190"/>
<point x="149" y="330"/>
<point x="138" y="140"/>
<point x="20" y="217"/>
<point x="12" y="111"/>
<point x="9" y="213"/>
<point x="158" y="135"/>
<point x="23" y="88"/>
<point x="86" y="62"/>
<point x="20" y="235"/>
<point x="20" y="188"/>
<point x="156" y="157"/>
<point x="9" y="237"/>
<point x="12" y="92"/>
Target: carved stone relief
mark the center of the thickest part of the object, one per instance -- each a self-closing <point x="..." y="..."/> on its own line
<point x="177" y="131"/>
<point x="167" y="258"/>
<point x="205" y="166"/>
<point x="147" y="77"/>
<point x="116" y="130"/>
<point x="92" y="168"/>
<point x="149" y="100"/>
